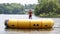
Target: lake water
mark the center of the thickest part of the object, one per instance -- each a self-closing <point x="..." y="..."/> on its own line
<point x="54" y="30"/>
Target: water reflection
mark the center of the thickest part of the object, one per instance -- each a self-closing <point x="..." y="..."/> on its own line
<point x="27" y="31"/>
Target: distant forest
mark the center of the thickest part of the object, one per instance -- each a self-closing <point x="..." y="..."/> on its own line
<point x="44" y="8"/>
<point x="14" y="8"/>
<point x="48" y="8"/>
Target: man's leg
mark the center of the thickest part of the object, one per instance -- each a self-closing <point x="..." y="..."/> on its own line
<point x="30" y="16"/>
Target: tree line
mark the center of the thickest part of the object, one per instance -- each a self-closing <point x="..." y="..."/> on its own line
<point x="47" y="8"/>
<point x="14" y="8"/>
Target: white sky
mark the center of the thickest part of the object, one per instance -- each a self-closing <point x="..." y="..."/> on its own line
<point x="20" y="1"/>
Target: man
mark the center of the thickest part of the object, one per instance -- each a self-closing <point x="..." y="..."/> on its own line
<point x="30" y="14"/>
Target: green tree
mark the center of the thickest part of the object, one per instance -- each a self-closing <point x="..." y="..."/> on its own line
<point x="47" y="7"/>
<point x="7" y="8"/>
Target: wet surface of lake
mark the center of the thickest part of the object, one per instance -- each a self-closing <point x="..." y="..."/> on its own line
<point x="54" y="30"/>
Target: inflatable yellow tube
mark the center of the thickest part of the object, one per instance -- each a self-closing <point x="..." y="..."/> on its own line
<point x="29" y="23"/>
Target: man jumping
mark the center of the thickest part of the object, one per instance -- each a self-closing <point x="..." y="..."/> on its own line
<point x="30" y="14"/>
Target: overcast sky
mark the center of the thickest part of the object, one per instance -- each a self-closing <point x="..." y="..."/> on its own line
<point x="20" y="1"/>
